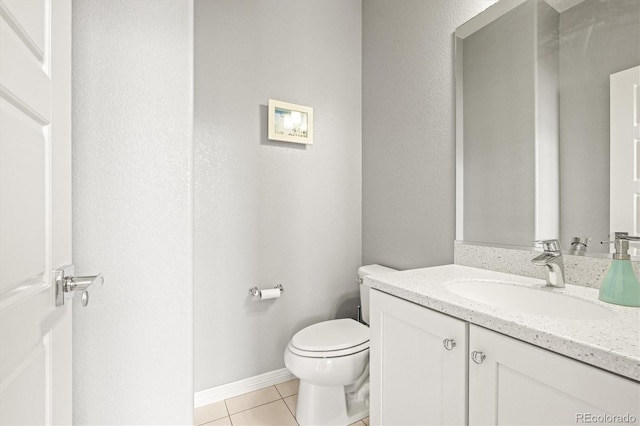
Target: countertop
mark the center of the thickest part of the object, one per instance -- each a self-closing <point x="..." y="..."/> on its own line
<point x="612" y="344"/>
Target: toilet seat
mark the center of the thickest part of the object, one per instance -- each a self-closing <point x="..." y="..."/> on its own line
<point x="328" y="354"/>
<point x="330" y="339"/>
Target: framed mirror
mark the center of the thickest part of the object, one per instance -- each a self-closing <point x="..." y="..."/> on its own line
<point x="537" y="122"/>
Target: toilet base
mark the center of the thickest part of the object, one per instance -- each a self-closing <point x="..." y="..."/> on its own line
<point x="327" y="405"/>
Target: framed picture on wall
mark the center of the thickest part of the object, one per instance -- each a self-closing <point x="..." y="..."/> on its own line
<point x="290" y="122"/>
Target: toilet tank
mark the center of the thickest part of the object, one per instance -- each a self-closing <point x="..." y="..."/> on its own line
<point x="363" y="271"/>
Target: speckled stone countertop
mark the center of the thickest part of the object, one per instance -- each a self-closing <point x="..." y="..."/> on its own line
<point x="612" y="344"/>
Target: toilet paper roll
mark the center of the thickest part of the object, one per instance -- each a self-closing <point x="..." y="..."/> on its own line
<point x="270" y="293"/>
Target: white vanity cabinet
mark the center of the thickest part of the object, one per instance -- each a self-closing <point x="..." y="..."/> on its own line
<point x="515" y="383"/>
<point x="415" y="379"/>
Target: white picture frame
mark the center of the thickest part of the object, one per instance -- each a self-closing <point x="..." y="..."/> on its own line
<point x="290" y="122"/>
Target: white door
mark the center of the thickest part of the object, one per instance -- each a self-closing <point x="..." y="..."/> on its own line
<point x="417" y="365"/>
<point x="35" y="210"/>
<point x="516" y="383"/>
<point x="625" y="153"/>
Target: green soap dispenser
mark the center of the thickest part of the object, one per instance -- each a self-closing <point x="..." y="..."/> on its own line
<point x="620" y="286"/>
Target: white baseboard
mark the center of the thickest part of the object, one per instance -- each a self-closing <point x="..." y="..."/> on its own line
<point x="219" y="393"/>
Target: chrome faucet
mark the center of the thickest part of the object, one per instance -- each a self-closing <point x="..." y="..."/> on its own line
<point x="552" y="261"/>
<point x="579" y="246"/>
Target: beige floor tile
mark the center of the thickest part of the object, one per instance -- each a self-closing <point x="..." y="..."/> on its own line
<point x="207" y="413"/>
<point x="252" y="399"/>
<point x="292" y="403"/>
<point x="358" y="423"/>
<point x="366" y="421"/>
<point x="273" y="414"/>
<point x="288" y="388"/>
<point x="225" y="421"/>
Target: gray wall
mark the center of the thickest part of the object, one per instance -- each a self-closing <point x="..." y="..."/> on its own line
<point x="273" y="212"/>
<point x="510" y="97"/>
<point x="132" y="142"/>
<point x="499" y="129"/>
<point x="596" y="39"/>
<point x="408" y="143"/>
<point x="547" y="148"/>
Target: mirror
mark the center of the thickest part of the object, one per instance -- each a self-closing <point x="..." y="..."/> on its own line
<point x="533" y="121"/>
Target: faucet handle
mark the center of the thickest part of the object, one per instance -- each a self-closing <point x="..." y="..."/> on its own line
<point x="549" y="245"/>
<point x="584" y="241"/>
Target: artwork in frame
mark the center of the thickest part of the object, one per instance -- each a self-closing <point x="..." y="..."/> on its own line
<point x="290" y="122"/>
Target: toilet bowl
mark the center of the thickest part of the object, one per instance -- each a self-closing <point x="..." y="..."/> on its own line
<point x="326" y="357"/>
<point x="331" y="359"/>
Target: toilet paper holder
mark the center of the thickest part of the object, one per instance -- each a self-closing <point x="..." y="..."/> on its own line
<point x="255" y="291"/>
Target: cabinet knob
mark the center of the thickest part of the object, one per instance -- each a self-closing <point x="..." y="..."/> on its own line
<point x="478" y="357"/>
<point x="449" y="344"/>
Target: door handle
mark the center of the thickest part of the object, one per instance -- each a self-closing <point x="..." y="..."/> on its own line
<point x="66" y="282"/>
<point x="449" y="344"/>
<point x="478" y="357"/>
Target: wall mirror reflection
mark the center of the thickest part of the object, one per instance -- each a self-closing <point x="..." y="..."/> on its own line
<point x="547" y="122"/>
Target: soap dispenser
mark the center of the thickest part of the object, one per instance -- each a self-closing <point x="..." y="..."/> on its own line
<point x="620" y="286"/>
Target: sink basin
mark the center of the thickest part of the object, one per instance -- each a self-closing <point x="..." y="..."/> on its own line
<point x="530" y="300"/>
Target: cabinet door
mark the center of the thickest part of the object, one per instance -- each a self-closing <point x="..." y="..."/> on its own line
<point x="518" y="383"/>
<point x="415" y="380"/>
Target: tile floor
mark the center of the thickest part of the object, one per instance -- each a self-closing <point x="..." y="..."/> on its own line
<point x="271" y="406"/>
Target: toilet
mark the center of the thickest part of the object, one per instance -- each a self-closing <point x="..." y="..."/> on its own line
<point x="331" y="359"/>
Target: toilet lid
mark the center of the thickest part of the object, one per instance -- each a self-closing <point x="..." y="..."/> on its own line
<point x="331" y="335"/>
